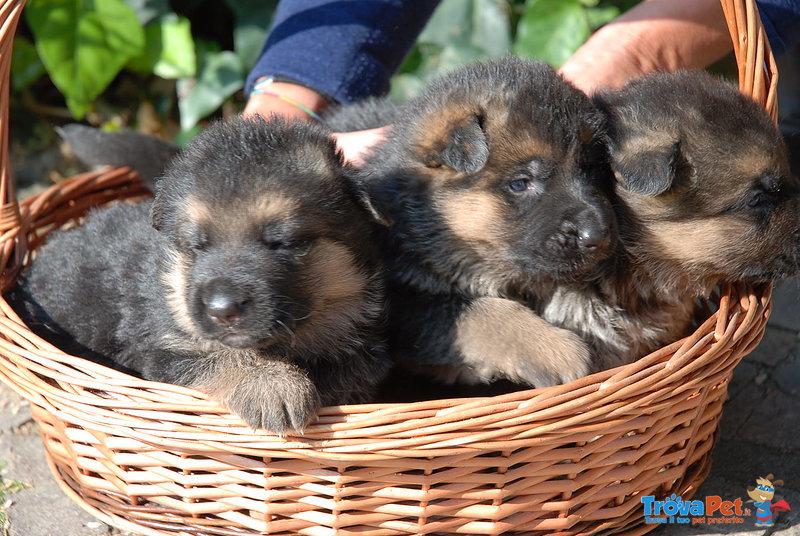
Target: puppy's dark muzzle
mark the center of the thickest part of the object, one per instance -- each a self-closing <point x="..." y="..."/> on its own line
<point x="594" y="238"/>
<point x="223" y="302"/>
<point x="586" y="233"/>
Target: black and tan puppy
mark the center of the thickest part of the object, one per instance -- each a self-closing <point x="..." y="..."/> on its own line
<point x="704" y="196"/>
<point x="256" y="283"/>
<point x="491" y="187"/>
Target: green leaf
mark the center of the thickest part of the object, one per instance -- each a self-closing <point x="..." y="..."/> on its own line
<point x="84" y="44"/>
<point x="622" y="5"/>
<point x="220" y="75"/>
<point x="436" y="61"/>
<point x="405" y="86"/>
<point x="26" y="67"/>
<point x="169" y="49"/>
<point x="183" y="137"/>
<point x="599" y="16"/>
<point x="451" y="23"/>
<point x="552" y="30"/>
<point x="253" y="19"/>
<point x="412" y="61"/>
<point x="455" y="56"/>
<point x="149" y="10"/>
<point x="491" y="30"/>
<point x="482" y="24"/>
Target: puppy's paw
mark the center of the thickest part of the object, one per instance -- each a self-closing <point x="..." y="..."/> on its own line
<point x="499" y="338"/>
<point x="278" y="401"/>
<point x="558" y="357"/>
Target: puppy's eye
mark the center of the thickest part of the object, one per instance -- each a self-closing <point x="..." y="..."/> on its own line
<point x="756" y="199"/>
<point x="520" y="185"/>
<point x="275" y="245"/>
<point x="299" y="246"/>
<point x="525" y="186"/>
<point x="197" y="243"/>
<point x="761" y="199"/>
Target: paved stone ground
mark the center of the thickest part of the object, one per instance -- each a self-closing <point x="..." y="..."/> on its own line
<point x="760" y="435"/>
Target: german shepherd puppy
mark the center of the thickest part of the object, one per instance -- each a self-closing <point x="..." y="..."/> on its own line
<point x="256" y="283"/>
<point x="704" y="196"/>
<point x="491" y="185"/>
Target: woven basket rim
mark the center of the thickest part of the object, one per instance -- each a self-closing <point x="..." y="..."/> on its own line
<point x="591" y="447"/>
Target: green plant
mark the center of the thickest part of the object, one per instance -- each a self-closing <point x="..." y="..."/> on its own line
<point x="462" y="31"/>
<point x="7" y="487"/>
<point x="83" y="45"/>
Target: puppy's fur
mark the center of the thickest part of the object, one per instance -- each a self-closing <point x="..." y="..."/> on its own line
<point x="94" y="148"/>
<point x="257" y="281"/>
<point x="704" y="196"/>
<point x="490" y="187"/>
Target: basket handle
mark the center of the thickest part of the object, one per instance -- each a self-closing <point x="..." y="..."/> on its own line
<point x="758" y="73"/>
<point x="10" y="220"/>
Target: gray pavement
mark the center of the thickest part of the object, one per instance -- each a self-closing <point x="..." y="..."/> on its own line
<point x="760" y="434"/>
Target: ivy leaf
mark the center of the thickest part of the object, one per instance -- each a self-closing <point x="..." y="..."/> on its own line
<point x="169" y="49"/>
<point x="552" y="30"/>
<point x="405" y="86"/>
<point x="253" y="19"/>
<point x="149" y="10"/>
<point x="599" y="16"/>
<point x="26" y="67"/>
<point x="437" y="61"/>
<point x="84" y="44"/>
<point x="491" y="30"/>
<point x="450" y="24"/>
<point x="220" y="75"/>
<point x="456" y="56"/>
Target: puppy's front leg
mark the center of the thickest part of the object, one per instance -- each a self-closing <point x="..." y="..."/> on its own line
<point x="477" y="340"/>
<point x="502" y="338"/>
<point x="266" y="393"/>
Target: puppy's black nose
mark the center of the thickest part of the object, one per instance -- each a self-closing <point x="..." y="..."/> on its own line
<point x="592" y="238"/>
<point x="223" y="302"/>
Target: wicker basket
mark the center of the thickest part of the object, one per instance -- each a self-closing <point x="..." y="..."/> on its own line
<point x="572" y="459"/>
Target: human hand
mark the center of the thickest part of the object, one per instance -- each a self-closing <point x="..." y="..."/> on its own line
<point x="286" y="100"/>
<point x="655" y="35"/>
<point x="355" y="145"/>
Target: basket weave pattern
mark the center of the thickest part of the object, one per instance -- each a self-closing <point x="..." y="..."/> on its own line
<point x="572" y="459"/>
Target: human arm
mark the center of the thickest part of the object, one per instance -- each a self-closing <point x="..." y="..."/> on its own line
<point x="655" y="35"/>
<point x="325" y="54"/>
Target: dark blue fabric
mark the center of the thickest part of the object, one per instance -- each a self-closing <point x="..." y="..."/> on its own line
<point x="781" y="20"/>
<point x="345" y="49"/>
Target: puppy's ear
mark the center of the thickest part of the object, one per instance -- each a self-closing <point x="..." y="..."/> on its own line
<point x="157" y="213"/>
<point x="463" y="147"/>
<point x="373" y="207"/>
<point x="646" y="170"/>
<point x="367" y="200"/>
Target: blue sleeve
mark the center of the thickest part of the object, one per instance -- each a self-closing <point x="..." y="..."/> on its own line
<point x="344" y="49"/>
<point x="781" y="20"/>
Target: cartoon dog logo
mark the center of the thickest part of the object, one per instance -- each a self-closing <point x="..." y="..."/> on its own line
<point x="762" y="496"/>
